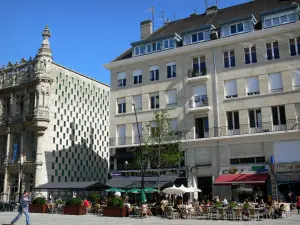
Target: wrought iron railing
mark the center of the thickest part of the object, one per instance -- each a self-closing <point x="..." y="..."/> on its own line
<point x="243" y="129"/>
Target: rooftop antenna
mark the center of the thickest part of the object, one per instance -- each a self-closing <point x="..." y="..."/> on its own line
<point x="162" y="17"/>
<point x="206" y="4"/>
<point x="174" y="16"/>
<point x="217" y="3"/>
<point x="151" y="9"/>
<point x="195" y="10"/>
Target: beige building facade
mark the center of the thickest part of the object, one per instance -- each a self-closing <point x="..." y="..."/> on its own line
<point x="233" y="97"/>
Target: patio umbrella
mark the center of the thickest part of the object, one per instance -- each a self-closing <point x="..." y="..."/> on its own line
<point x="194" y="189"/>
<point x="134" y="190"/>
<point x="143" y="196"/>
<point x="184" y="189"/>
<point x="150" y="190"/>
<point x="115" y="190"/>
<point x="174" y="190"/>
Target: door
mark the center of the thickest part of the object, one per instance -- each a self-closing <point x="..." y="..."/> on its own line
<point x="201" y="125"/>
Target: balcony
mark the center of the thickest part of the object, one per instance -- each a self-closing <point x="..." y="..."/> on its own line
<point x="198" y="103"/>
<point x="199" y="77"/>
<point x="243" y="129"/>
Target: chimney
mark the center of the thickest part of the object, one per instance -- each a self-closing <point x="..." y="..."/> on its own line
<point x="211" y="10"/>
<point x="146" y="29"/>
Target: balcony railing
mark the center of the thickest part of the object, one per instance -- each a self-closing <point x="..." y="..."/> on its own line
<point x="243" y="129"/>
<point x="198" y="101"/>
<point x="196" y="73"/>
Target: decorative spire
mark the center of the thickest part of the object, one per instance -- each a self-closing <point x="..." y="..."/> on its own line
<point x="45" y="49"/>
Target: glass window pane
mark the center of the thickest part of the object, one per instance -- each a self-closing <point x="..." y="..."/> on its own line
<point x="275" y="115"/>
<point x="194" y="38"/>
<point x="240" y="27"/>
<point x="292" y="17"/>
<point x="166" y="43"/>
<point x="268" y="23"/>
<point x="275" y="21"/>
<point x="137" y="51"/>
<point x="172" y="44"/>
<point x="233" y="29"/>
<point x="158" y="45"/>
<point x="200" y="36"/>
<point x="153" y="46"/>
<point x="284" y="19"/>
<point x="142" y="48"/>
<point x="148" y="48"/>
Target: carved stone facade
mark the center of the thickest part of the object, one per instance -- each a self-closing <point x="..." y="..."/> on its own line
<point x="42" y="107"/>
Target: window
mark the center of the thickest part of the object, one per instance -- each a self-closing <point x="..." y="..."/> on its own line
<point x="121" y="105"/>
<point x="250" y="55"/>
<point x="154" y="73"/>
<point x="169" y="43"/>
<point x="199" y="96"/>
<point x="229" y="59"/>
<point x="280" y="18"/>
<point x="171" y="70"/>
<point x="233" y="121"/>
<point x="252" y="85"/>
<point x="294" y="46"/>
<point x="139" y="50"/>
<point x="174" y="125"/>
<point x="272" y="50"/>
<point x="154" y="131"/>
<point x="154" y="100"/>
<point x="137" y="130"/>
<point x="20" y="105"/>
<point x="171" y="97"/>
<point x="237" y="28"/>
<point x="275" y="82"/>
<point x="153" y="47"/>
<point x="296" y="79"/>
<point x="121" y="134"/>
<point x="278" y="114"/>
<point x="255" y="118"/>
<point x="137" y="76"/>
<point x="137" y="101"/>
<point x="247" y="160"/>
<point x="230" y="89"/>
<point x="199" y="65"/>
<point x="197" y="37"/>
<point x="121" y="79"/>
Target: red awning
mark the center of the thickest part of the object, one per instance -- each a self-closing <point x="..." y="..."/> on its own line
<point x="232" y="179"/>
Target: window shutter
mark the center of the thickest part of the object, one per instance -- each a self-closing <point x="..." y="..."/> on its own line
<point x="121" y="100"/>
<point x="135" y="129"/>
<point x="137" y="72"/>
<point x="252" y="84"/>
<point x="225" y="31"/>
<point x="121" y="130"/>
<point x="199" y="90"/>
<point x="137" y="101"/>
<point x="203" y="156"/>
<point x="187" y="39"/>
<point x="174" y="124"/>
<point x="121" y="75"/>
<point x="296" y="78"/>
<point x="230" y="87"/>
<point x="152" y="68"/>
<point x="171" y="94"/>
<point x="275" y="82"/>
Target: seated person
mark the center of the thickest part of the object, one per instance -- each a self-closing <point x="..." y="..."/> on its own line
<point x="225" y="202"/>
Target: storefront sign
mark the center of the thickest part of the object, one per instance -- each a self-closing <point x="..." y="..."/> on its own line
<point x="288" y="177"/>
<point x="181" y="173"/>
<point x="287" y="167"/>
<point x="244" y="169"/>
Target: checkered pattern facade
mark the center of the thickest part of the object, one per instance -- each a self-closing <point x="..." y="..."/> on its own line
<point x="78" y="130"/>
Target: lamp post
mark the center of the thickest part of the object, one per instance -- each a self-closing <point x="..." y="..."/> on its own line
<point x="141" y="149"/>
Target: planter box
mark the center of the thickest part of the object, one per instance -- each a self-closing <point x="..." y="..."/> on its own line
<point x="36" y="208"/>
<point x="74" y="210"/>
<point x="114" y="212"/>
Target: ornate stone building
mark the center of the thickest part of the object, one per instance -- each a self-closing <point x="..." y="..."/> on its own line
<point x="54" y="124"/>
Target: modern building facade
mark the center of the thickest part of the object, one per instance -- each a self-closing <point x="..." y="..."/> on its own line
<point x="229" y="79"/>
<point x="54" y="124"/>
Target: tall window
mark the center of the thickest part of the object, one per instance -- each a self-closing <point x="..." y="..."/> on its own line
<point x="6" y="107"/>
<point x="121" y="134"/>
<point x="171" y="70"/>
<point x="229" y="59"/>
<point x="137" y="130"/>
<point x="121" y="105"/>
<point x="154" y="100"/>
<point x="275" y="82"/>
<point x="154" y="73"/>
<point x="233" y="121"/>
<point x="296" y="78"/>
<point x="230" y="89"/>
<point x="237" y="28"/>
<point x="294" y="46"/>
<point x="31" y="102"/>
<point x="137" y="76"/>
<point x="199" y="65"/>
<point x="255" y="118"/>
<point x="278" y="114"/>
<point x="250" y="55"/>
<point x="137" y="101"/>
<point x="121" y="79"/>
<point x="252" y="85"/>
<point x="199" y="98"/>
<point x="272" y="50"/>
<point x="171" y="97"/>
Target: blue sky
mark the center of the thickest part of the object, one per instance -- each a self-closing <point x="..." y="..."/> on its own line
<point x="85" y="34"/>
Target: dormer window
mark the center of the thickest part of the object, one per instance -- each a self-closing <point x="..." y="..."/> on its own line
<point x="197" y="37"/>
<point x="169" y="43"/>
<point x="139" y="50"/>
<point x="279" y="19"/>
<point x="237" y="28"/>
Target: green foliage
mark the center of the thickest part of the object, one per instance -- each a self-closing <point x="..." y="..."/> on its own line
<point x="39" y="201"/>
<point x="59" y="201"/>
<point x="94" y="197"/>
<point x="232" y="204"/>
<point x="74" y="201"/>
<point x="115" y="202"/>
<point x="218" y="205"/>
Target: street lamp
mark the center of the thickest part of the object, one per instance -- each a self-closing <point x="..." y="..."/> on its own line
<point x="141" y="149"/>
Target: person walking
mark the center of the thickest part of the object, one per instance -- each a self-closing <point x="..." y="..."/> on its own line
<point x="23" y="208"/>
<point x="298" y="202"/>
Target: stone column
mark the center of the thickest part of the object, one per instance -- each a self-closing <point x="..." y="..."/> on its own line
<point x="39" y="159"/>
<point x="6" y="175"/>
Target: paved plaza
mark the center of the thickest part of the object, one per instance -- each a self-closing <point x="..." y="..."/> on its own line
<point x="45" y="219"/>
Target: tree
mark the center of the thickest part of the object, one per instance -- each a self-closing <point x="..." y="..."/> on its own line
<point x="161" y="147"/>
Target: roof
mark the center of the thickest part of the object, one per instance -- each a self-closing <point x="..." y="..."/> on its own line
<point x="253" y="7"/>
<point x="229" y="179"/>
<point x="135" y="182"/>
<point x="71" y="185"/>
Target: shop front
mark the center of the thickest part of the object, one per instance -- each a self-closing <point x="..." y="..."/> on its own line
<point x="244" y="182"/>
<point x="288" y="180"/>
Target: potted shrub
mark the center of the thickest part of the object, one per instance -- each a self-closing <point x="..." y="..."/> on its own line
<point x="94" y="197"/>
<point x="203" y="71"/>
<point x="115" y="208"/>
<point x="38" y="205"/>
<point x="74" y="207"/>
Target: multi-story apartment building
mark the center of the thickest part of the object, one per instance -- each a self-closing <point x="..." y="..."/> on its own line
<point x="229" y="79"/>
<point x="54" y="124"/>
